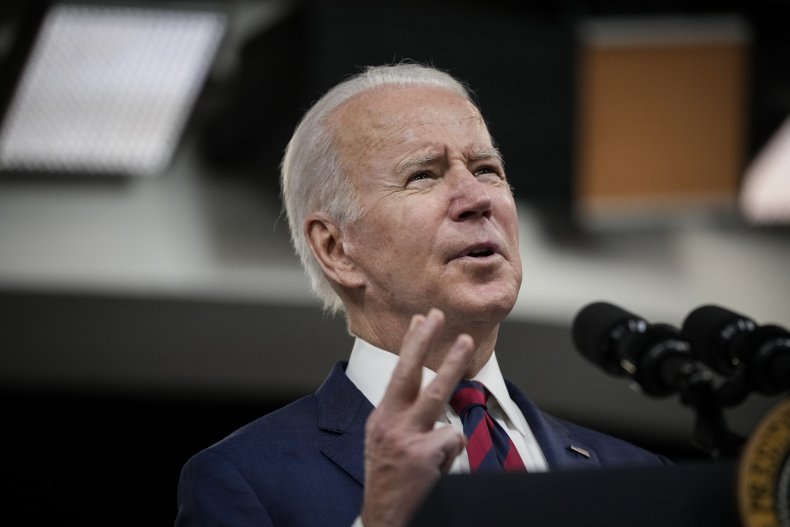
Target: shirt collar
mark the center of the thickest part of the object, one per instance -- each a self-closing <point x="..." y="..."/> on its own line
<point x="369" y="365"/>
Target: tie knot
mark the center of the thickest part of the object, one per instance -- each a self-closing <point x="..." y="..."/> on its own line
<point x="467" y="395"/>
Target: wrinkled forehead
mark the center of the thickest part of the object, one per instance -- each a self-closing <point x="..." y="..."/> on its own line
<point x="389" y="115"/>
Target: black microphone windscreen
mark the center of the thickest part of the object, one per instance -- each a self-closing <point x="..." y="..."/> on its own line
<point x="705" y="329"/>
<point x="591" y="330"/>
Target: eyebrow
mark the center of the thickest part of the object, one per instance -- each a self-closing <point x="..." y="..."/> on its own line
<point x="426" y="159"/>
<point x="489" y="153"/>
<point x="418" y="161"/>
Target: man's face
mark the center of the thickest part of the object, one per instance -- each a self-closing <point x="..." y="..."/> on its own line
<point x="439" y="226"/>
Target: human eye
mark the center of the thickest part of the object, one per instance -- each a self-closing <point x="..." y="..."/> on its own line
<point x="421" y="175"/>
<point x="489" y="172"/>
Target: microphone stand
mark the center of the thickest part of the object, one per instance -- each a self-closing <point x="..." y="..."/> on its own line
<point x="711" y="433"/>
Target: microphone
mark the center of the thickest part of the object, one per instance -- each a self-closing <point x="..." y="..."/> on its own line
<point x="733" y="344"/>
<point x="656" y="356"/>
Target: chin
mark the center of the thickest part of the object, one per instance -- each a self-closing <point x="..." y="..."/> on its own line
<point x="489" y="307"/>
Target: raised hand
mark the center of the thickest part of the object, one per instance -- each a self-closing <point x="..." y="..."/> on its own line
<point x="404" y="454"/>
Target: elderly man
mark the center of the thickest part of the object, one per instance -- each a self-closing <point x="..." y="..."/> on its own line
<point x="402" y="215"/>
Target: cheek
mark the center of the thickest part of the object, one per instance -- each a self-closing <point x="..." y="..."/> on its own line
<point x="372" y="239"/>
<point x="508" y="215"/>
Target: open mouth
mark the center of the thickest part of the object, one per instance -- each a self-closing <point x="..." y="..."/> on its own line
<point x="480" y="253"/>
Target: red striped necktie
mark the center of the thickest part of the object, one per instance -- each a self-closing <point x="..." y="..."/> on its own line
<point x="488" y="446"/>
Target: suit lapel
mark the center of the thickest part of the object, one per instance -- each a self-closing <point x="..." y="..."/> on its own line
<point x="342" y="413"/>
<point x="560" y="448"/>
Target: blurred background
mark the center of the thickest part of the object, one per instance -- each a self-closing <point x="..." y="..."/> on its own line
<point x="149" y="298"/>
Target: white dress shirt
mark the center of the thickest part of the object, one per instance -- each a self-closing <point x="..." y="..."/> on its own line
<point x="370" y="369"/>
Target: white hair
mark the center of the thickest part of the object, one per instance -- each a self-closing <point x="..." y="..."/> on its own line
<point x="313" y="177"/>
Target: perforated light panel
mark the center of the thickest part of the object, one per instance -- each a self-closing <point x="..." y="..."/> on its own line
<point x="108" y="89"/>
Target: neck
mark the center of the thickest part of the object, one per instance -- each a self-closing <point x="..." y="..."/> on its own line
<point x="387" y="333"/>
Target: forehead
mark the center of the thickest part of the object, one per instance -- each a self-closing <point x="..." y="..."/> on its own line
<point x="397" y="117"/>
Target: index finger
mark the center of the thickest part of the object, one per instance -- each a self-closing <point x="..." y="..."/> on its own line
<point x="404" y="385"/>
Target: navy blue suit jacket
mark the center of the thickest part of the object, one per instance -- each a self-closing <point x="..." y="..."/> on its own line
<point x="303" y="464"/>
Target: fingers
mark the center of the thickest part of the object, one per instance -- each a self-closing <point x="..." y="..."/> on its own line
<point x="431" y="402"/>
<point x="404" y="453"/>
<point x="404" y="386"/>
<point x="449" y="442"/>
<point x="403" y="391"/>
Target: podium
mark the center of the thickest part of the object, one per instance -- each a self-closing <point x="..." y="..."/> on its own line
<point x="684" y="495"/>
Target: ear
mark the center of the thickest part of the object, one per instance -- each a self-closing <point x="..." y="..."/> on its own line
<point x="325" y="238"/>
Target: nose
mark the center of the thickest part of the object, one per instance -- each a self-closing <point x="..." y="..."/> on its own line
<point x="470" y="198"/>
